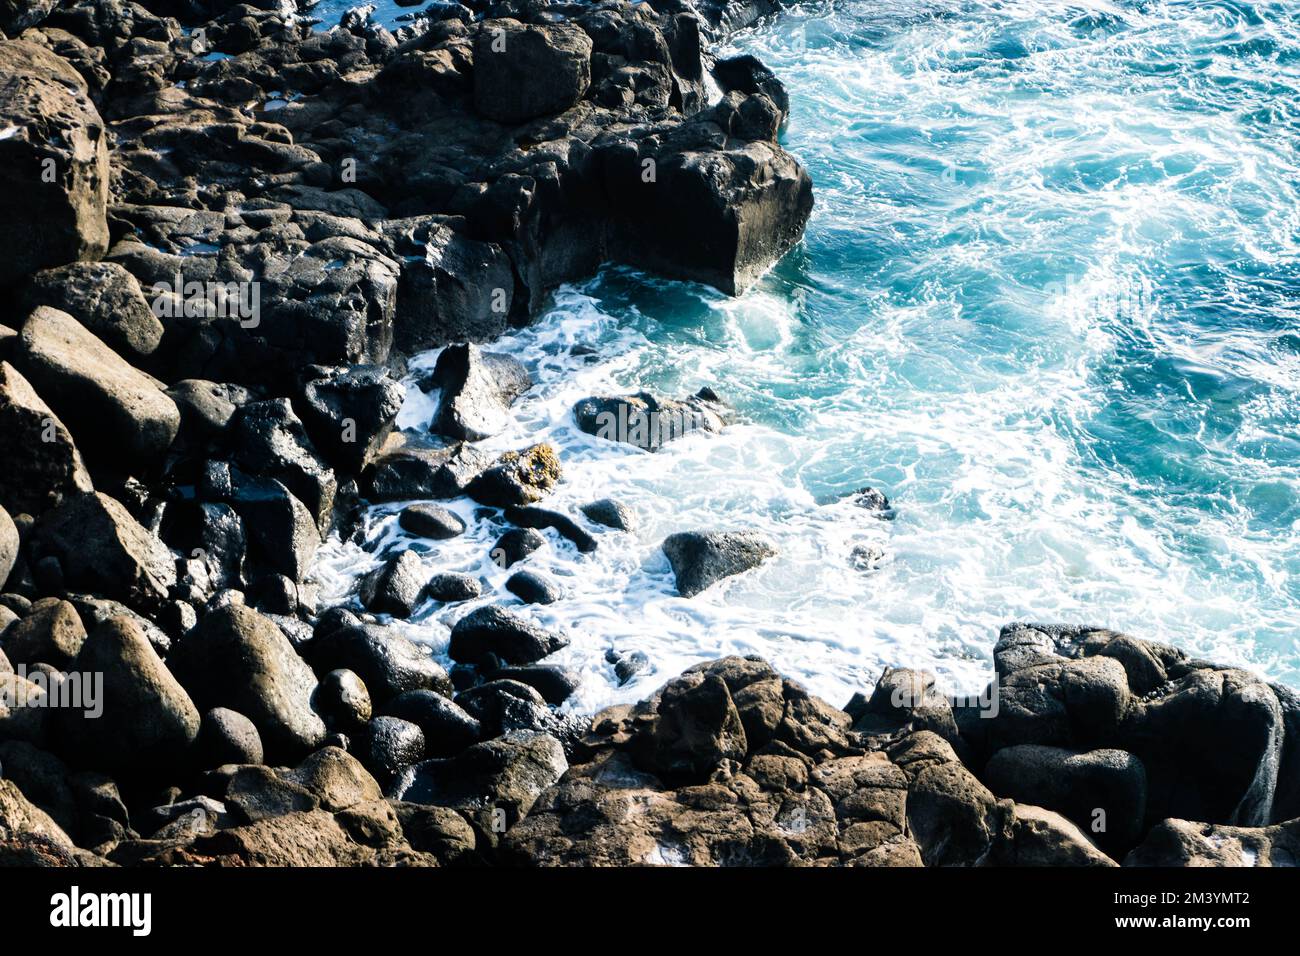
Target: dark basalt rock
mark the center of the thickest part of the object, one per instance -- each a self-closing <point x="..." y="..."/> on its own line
<point x="477" y="390"/>
<point x="389" y="745"/>
<point x="496" y="631"/>
<point x="343" y="700"/>
<point x="103" y="297"/>
<point x="1102" y="791"/>
<point x="9" y="544"/>
<point x="145" y="720"/>
<point x="396" y="586"/>
<point x="518" y="477"/>
<point x="283" y="531"/>
<point x="506" y="774"/>
<point x="700" y="559"/>
<point x="100" y="548"/>
<point x="211" y="539"/>
<point x="238" y="659"/>
<point x="350" y="413"/>
<point x="206" y="408"/>
<point x="268" y="439"/>
<point x="430" y="521"/>
<point x="531" y="516"/>
<point x="554" y="682"/>
<point x="515" y="545"/>
<point x="51" y="633"/>
<point x="225" y="737"/>
<point x="46" y="102"/>
<point x="450" y="587"/>
<point x="407" y="469"/>
<point x="387" y="662"/>
<point x="649" y="422"/>
<point x="611" y="514"/>
<point x="533" y="588"/>
<point x="448" y="728"/>
<point x="42" y="463"/>
<point x="523" y="71"/>
<point x="111" y="408"/>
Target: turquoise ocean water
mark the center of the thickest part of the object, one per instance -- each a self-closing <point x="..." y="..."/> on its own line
<point x="1048" y="301"/>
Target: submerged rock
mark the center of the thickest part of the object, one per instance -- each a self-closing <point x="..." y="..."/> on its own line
<point x="650" y="422"/>
<point x="430" y="521"/>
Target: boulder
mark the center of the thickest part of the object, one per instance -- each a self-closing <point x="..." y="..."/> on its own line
<point x="721" y="216"/>
<point x="53" y="162"/>
<point x="1183" y="843"/>
<point x="113" y="409"/>
<point x="101" y="549"/>
<point x="450" y="587"/>
<point x="953" y="818"/>
<point x="649" y="422"/>
<point x="430" y="521"/>
<point x="343" y="700"/>
<point x="700" y="559"/>
<point x="145" y="720"/>
<point x="283" y="532"/>
<point x="501" y="706"/>
<point x="515" y="545"/>
<point x="554" y="682"/>
<point x="611" y="514"/>
<point x="1102" y="791"/>
<point x="9" y="544"/>
<point x="206" y="408"/>
<point x="387" y="662"/>
<point x="51" y="633"/>
<point x="238" y="659"/>
<point x="523" y="71"/>
<point x="259" y="793"/>
<point x="227" y="737"/>
<point x="448" y="728"/>
<point x="507" y="775"/>
<point x="409" y="468"/>
<point x="492" y="630"/>
<point x="533" y="588"/>
<point x="22" y="819"/>
<point x="350" y="413"/>
<point x="389" y="745"/>
<point x="42" y="463"/>
<point x="698" y="727"/>
<point x="1033" y="836"/>
<point x="336" y="778"/>
<point x="396" y="586"/>
<point x="518" y="477"/>
<point x="476" y="391"/>
<point x="17" y="15"/>
<point x="104" y="298"/>
<point x="453" y="289"/>
<point x="531" y="516"/>
<point x="269" y="440"/>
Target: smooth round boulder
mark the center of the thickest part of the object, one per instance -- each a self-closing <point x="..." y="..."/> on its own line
<point x="389" y="745"/>
<point x="342" y="699"/>
<point x="533" y="588"/>
<point x="227" y="737"/>
<point x="430" y="521"/>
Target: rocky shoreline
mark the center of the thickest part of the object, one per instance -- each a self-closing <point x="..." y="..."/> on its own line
<point x="224" y="232"/>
